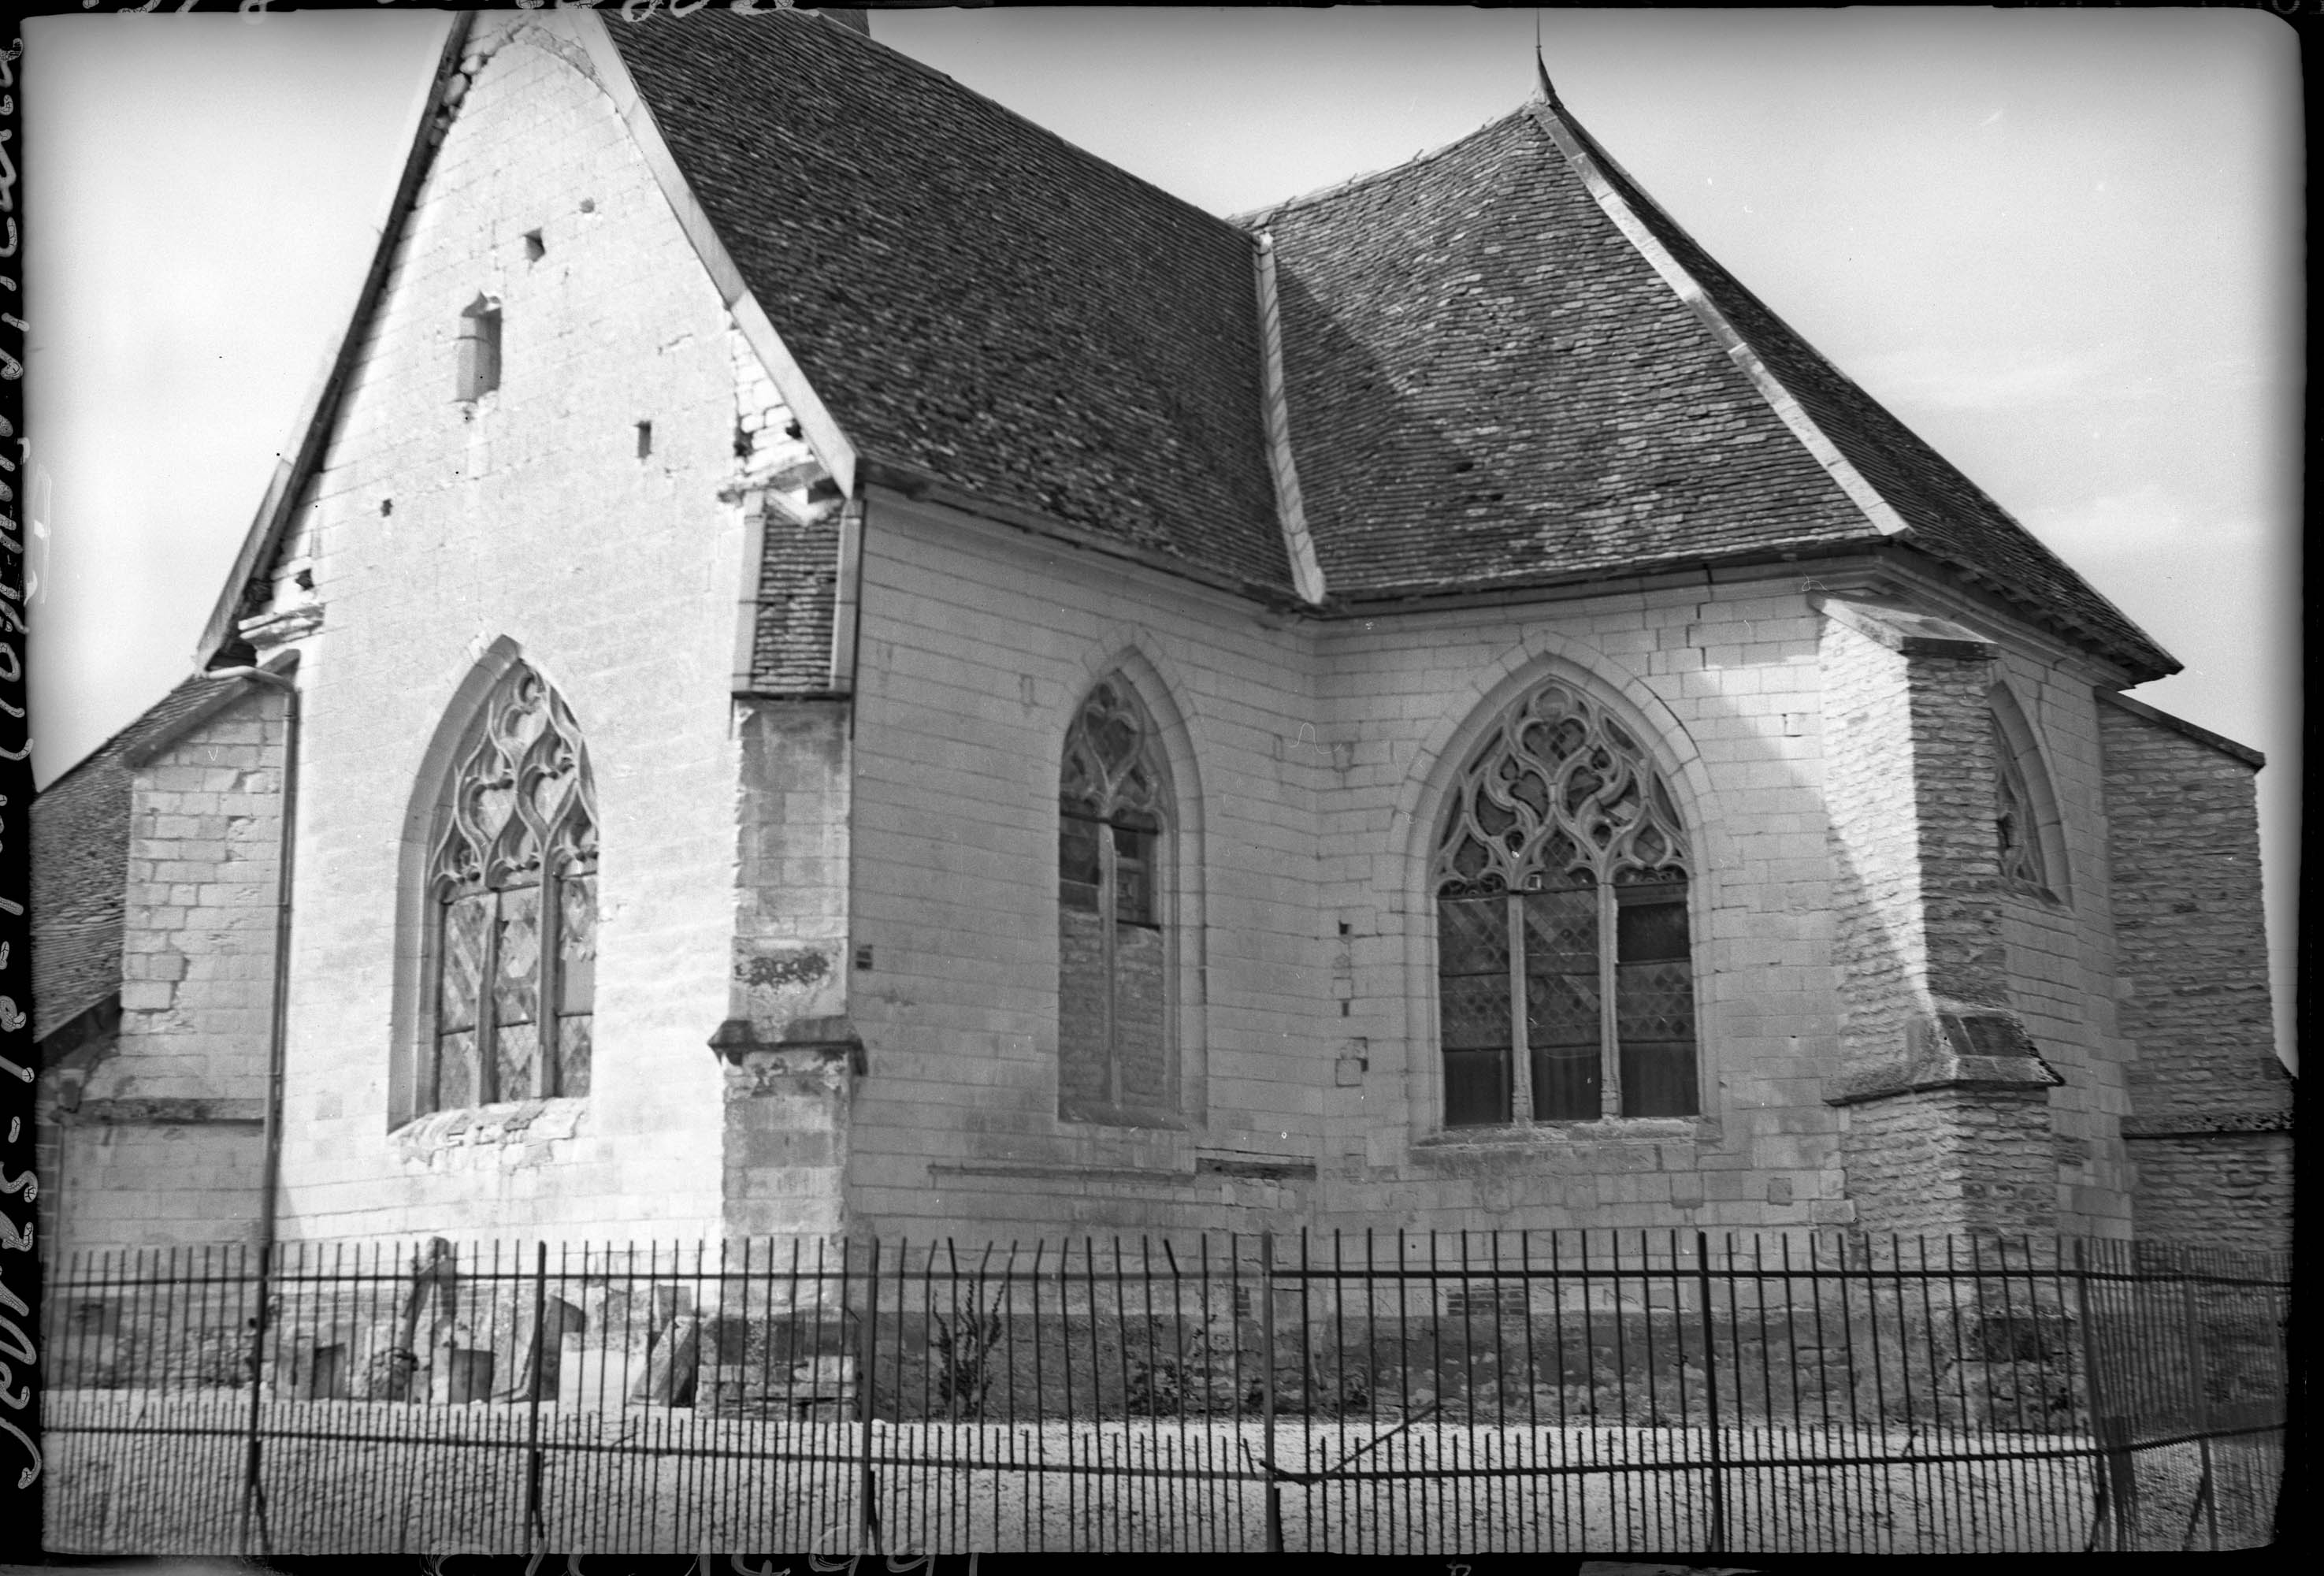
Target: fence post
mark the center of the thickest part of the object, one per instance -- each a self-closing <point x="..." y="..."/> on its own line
<point x="2114" y="1464"/>
<point x="1267" y="1388"/>
<point x="867" y="1351"/>
<point x="2198" y="1376"/>
<point x="534" y="1526"/>
<point x="1711" y="1387"/>
<point x="254" y="1492"/>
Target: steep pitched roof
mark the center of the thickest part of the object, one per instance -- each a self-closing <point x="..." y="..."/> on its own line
<point x="973" y="298"/>
<point x="80" y="863"/>
<point x="1492" y="384"/>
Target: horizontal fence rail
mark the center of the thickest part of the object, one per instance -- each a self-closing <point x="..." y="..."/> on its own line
<point x="1546" y="1391"/>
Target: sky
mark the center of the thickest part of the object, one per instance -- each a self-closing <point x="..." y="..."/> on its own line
<point x="2062" y="245"/>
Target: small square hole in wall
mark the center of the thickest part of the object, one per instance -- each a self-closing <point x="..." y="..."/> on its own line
<point x="645" y="438"/>
<point x="534" y="248"/>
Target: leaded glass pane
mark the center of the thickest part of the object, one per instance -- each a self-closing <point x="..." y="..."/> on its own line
<point x="1079" y="872"/>
<point x="573" y="1038"/>
<point x="516" y="995"/>
<point x="577" y="943"/>
<point x="1659" y="1079"/>
<point x="516" y="978"/>
<point x="455" y="1071"/>
<point x="1653" y="1003"/>
<point x="461" y="965"/>
<point x="1476" y="1088"/>
<point x="516" y="1061"/>
<point x="1566" y="1084"/>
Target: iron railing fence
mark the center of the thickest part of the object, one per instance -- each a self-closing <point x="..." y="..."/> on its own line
<point x="1566" y="1391"/>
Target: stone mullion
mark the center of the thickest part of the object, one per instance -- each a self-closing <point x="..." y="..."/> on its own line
<point x="488" y="1006"/>
<point x="1609" y="1047"/>
<point x="1520" y="1050"/>
<point x="548" y="982"/>
<point x="1109" y="924"/>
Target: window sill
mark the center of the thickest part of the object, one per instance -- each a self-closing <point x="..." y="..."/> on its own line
<point x="518" y="1130"/>
<point x="1541" y="1136"/>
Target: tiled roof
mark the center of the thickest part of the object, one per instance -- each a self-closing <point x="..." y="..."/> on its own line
<point x="81" y="866"/>
<point x="1948" y="515"/>
<point x="1491" y="385"/>
<point x="798" y="576"/>
<point x="973" y="297"/>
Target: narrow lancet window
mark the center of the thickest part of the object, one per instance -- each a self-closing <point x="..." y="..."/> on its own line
<point x="1114" y="1053"/>
<point x="1565" y="983"/>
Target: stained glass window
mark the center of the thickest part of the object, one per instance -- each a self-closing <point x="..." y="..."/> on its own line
<point x="1566" y="989"/>
<point x="514" y="888"/>
<point x="1114" y="1052"/>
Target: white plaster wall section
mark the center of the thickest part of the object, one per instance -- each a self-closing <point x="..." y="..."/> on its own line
<point x="542" y="544"/>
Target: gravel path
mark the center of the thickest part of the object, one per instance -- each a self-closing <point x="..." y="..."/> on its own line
<point x="435" y="1479"/>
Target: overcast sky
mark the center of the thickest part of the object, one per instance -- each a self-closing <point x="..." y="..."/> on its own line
<point x="2063" y="245"/>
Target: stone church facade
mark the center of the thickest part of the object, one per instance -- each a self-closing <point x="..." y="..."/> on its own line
<point x="825" y="662"/>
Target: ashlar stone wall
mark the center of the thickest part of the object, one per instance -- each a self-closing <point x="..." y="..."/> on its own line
<point x="160" y="1143"/>
<point x="444" y="537"/>
<point x="2210" y="1121"/>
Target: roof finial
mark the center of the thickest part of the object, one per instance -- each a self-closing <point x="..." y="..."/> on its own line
<point x="1548" y="92"/>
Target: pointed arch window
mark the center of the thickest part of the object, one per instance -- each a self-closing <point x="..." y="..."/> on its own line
<point x="1114" y="1051"/>
<point x="1565" y="982"/>
<point x="513" y="888"/>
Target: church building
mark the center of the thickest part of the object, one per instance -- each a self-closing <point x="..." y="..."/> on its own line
<point x="824" y="662"/>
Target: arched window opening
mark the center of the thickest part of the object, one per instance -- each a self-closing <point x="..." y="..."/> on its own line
<point x="2028" y="837"/>
<point x="513" y="883"/>
<point x="1565" y="983"/>
<point x="1114" y="1060"/>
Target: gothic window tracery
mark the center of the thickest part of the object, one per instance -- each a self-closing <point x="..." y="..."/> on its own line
<point x="513" y="888"/>
<point x="1114" y="1060"/>
<point x="2017" y="835"/>
<point x="1564" y="972"/>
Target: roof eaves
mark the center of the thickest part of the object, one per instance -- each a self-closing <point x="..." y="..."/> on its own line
<point x="2181" y="726"/>
<point x="1877" y="511"/>
<point x="921" y="487"/>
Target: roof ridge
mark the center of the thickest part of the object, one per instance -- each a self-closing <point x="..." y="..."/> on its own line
<point x="1078" y="152"/>
<point x="1256" y="218"/>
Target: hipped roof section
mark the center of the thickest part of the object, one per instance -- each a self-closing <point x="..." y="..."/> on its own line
<point x="1494" y="384"/>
